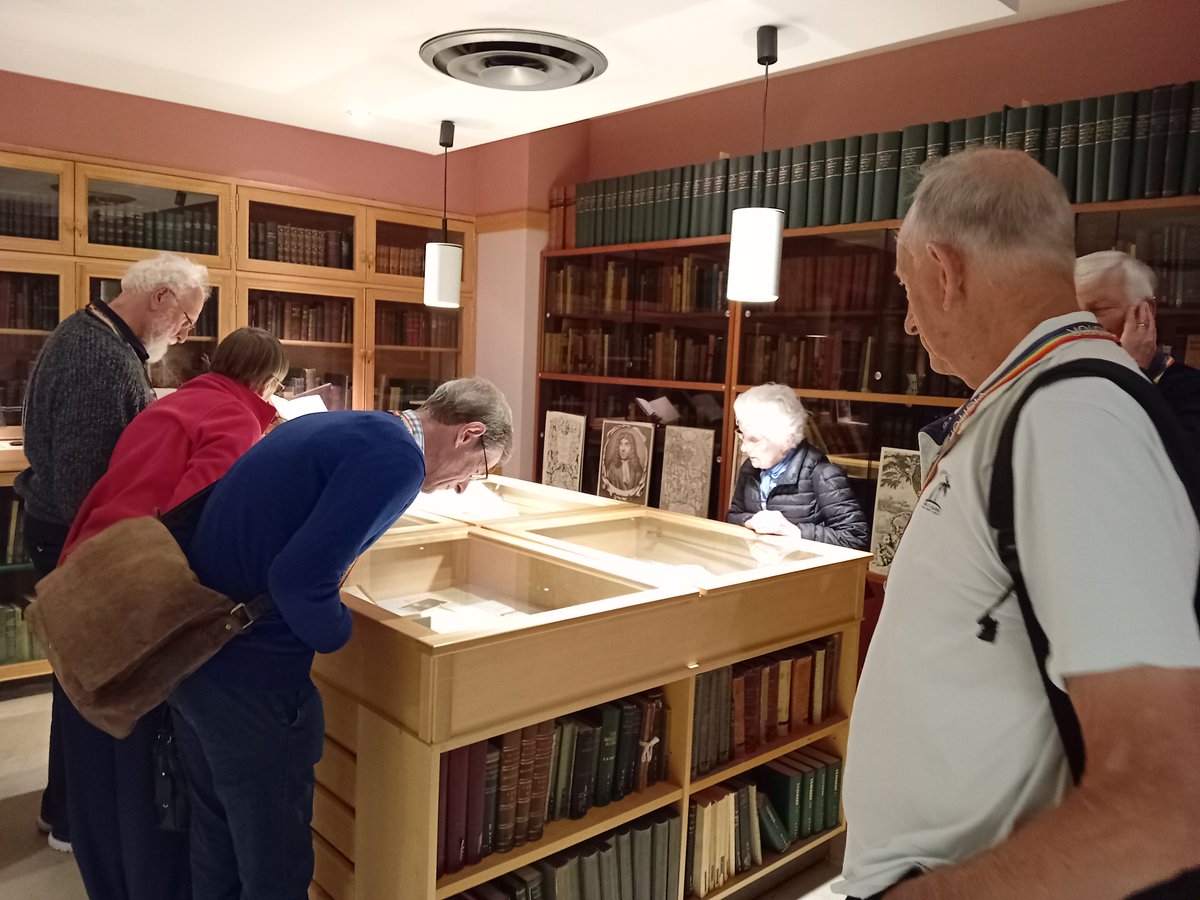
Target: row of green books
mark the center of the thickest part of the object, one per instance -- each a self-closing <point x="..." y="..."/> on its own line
<point x="1132" y="144"/>
<point x="499" y="794"/>
<point x="638" y="861"/>
<point x="732" y="824"/>
<point x="17" y="643"/>
<point x="741" y="707"/>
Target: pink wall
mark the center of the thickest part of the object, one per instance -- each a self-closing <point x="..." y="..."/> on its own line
<point x="54" y="115"/>
<point x="1133" y="44"/>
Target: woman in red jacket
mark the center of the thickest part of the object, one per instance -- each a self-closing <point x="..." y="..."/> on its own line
<point x="176" y="447"/>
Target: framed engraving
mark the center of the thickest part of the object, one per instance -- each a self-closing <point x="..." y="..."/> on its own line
<point x="687" y="470"/>
<point x="562" y="450"/>
<point x="625" y="460"/>
<point x="896" y="498"/>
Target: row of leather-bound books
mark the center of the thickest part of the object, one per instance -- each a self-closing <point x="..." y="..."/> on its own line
<point x="498" y="794"/>
<point x="1127" y="145"/>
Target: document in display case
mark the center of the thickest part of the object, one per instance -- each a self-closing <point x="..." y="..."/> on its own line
<point x="500" y="498"/>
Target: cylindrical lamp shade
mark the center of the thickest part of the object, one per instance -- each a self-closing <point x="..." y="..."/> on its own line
<point x="755" y="245"/>
<point x="443" y="275"/>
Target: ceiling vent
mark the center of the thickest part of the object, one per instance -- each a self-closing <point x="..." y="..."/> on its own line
<point x="513" y="59"/>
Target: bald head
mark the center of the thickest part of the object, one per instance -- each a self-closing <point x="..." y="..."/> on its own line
<point x="1000" y="207"/>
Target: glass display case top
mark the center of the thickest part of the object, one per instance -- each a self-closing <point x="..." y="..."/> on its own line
<point x="501" y="498"/>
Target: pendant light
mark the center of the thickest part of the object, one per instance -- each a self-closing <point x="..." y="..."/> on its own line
<point x="756" y="235"/>
<point x="443" y="261"/>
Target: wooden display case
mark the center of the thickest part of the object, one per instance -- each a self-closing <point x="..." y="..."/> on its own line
<point x="102" y="281"/>
<point x="401" y="692"/>
<point x="396" y="246"/>
<point x="128" y="214"/>
<point x="410" y="348"/>
<point x="320" y="326"/>
<point x="37" y="196"/>
<point x="503" y="499"/>
<point x="290" y="234"/>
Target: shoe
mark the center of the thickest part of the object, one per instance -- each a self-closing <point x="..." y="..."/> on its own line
<point x="42" y="825"/>
<point x="56" y="844"/>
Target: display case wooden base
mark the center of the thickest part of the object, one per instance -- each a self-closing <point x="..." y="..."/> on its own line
<point x="400" y="694"/>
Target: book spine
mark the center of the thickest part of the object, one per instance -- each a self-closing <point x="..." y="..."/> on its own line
<point x="887" y="176"/>
<point x="1177" y="129"/>
<point x="456" y="812"/>
<point x="1122" y="137"/>
<point x="542" y="758"/>
<point x="583" y="771"/>
<point x="610" y="723"/>
<point x="1051" y="137"/>
<point x="1068" y="146"/>
<point x="798" y="193"/>
<point x="783" y="182"/>
<point x="865" y="194"/>
<point x="912" y="156"/>
<point x="718" y="197"/>
<point x="973" y="132"/>
<point x="993" y="130"/>
<point x="476" y="799"/>
<point x="956" y="136"/>
<point x="850" y="180"/>
<point x="1156" y="144"/>
<point x="816" y="184"/>
<point x="1103" y="155"/>
<point x="1086" y="162"/>
<point x="831" y="208"/>
<point x="1191" y="154"/>
<point x="1014" y="128"/>
<point x="1035" y="121"/>
<point x="506" y="793"/>
<point x="771" y="179"/>
<point x="491" y="785"/>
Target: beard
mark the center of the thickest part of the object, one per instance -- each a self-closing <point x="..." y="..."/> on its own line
<point x="156" y="348"/>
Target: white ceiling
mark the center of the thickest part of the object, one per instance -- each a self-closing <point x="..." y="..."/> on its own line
<point x="308" y="62"/>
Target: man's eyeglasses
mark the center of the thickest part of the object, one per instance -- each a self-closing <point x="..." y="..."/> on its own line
<point x="481" y="476"/>
<point x="191" y="323"/>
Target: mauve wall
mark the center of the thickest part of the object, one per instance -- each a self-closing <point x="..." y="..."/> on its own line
<point x="1133" y="44"/>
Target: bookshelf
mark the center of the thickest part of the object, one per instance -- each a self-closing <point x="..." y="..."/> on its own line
<point x="835" y="335"/>
<point x="399" y="695"/>
<point x="70" y="225"/>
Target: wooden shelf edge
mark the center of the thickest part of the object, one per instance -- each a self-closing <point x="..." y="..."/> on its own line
<point x="633" y="382"/>
<point x="559" y="836"/>
<point x="26" y="332"/>
<point x="768" y="752"/>
<point x="771" y="862"/>
<point x="413" y="349"/>
<point x="17" y="671"/>
<point x="287" y="342"/>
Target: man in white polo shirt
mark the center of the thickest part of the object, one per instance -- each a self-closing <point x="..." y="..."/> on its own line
<point x="955" y="772"/>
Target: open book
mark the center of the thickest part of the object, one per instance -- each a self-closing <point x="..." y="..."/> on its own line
<point x="312" y="401"/>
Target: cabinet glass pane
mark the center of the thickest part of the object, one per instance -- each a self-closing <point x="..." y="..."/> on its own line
<point x="650" y="314"/>
<point x="400" y="249"/>
<point x="697" y="409"/>
<point x="308" y="237"/>
<point x="183" y="361"/>
<point x="839" y="323"/>
<point x="1169" y="242"/>
<point x="416" y="349"/>
<point x="137" y="215"/>
<point x="316" y="331"/>
<point x="28" y="204"/>
<point x="28" y="313"/>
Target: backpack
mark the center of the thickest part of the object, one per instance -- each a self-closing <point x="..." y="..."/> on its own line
<point x="1181" y="451"/>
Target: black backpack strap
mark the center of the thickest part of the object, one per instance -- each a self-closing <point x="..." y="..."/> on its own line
<point x="1000" y="515"/>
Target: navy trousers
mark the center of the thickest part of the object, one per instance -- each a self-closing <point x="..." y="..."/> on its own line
<point x="248" y="758"/>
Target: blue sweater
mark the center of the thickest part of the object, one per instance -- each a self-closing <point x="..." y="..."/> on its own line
<point x="289" y="518"/>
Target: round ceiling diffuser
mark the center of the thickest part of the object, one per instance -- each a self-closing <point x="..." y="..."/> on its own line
<point x="514" y="59"/>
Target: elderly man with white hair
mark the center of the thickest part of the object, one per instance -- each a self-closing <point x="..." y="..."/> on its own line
<point x="957" y="778"/>
<point x="1118" y="290"/>
<point x="88" y="383"/>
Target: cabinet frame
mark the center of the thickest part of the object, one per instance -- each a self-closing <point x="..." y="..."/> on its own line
<point x="65" y="170"/>
<point x="223" y="192"/>
<point x="245" y="263"/>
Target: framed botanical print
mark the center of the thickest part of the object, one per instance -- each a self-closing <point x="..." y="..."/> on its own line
<point x="562" y="450"/>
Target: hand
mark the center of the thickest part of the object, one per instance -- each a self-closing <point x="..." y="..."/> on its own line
<point x="1139" y="337"/>
<point x="771" y="521"/>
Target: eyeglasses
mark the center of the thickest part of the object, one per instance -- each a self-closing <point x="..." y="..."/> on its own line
<point x="191" y="323"/>
<point x="481" y="476"/>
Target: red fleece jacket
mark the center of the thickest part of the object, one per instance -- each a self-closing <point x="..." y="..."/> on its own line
<point x="176" y="447"/>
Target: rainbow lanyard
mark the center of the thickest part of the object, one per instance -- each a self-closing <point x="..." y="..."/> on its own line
<point x="1038" y="350"/>
<point x="1168" y="361"/>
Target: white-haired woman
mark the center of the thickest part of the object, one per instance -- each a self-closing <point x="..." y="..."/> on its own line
<point x="787" y="486"/>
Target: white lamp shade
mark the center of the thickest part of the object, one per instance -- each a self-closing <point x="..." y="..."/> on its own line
<point x="443" y="275"/>
<point x="755" y="245"/>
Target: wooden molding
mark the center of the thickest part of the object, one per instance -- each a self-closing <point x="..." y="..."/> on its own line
<point x="515" y="220"/>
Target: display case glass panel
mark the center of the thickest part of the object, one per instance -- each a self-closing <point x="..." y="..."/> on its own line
<point x="500" y="498"/>
<point x="127" y="214"/>
<point x="400" y="246"/>
<point x="308" y="237"/>
<point x="29" y="203"/>
<point x="416" y="349"/>
<point x="317" y="331"/>
<point x="29" y="311"/>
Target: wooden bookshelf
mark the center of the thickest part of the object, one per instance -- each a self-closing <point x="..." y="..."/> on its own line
<point x="398" y="696"/>
<point x="773" y="861"/>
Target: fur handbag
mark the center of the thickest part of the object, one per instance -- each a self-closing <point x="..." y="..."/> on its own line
<point x="124" y="620"/>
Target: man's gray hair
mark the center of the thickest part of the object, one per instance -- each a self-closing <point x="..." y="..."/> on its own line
<point x="475" y="400"/>
<point x="778" y="406"/>
<point x="168" y="270"/>
<point x="1000" y="206"/>
<point x="1139" y="281"/>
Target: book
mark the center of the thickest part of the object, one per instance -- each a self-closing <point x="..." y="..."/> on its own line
<point x="887" y="176"/>
<point x="913" y="144"/>
<point x="774" y="832"/>
<point x="610" y="871"/>
<point x="506" y="792"/>
<point x="524" y="785"/>
<point x="973" y="132"/>
<point x="771" y="179"/>
<point x="540" y="787"/>
<point x="583" y="770"/>
<point x="1086" y="154"/>
<point x="660" y="851"/>
<point x="1139" y="145"/>
<point x="1103" y="152"/>
<point x="865" y="194"/>
<point x="476" y="800"/>
<point x="802" y="763"/>
<point x="643" y="858"/>
<point x="831" y="210"/>
<point x="623" y="838"/>
<point x="783" y="182"/>
<point x="850" y="180"/>
<point x="491" y="784"/>
<point x="1014" y="128"/>
<point x="993" y="129"/>
<point x="1176" y="144"/>
<point x="1156" y="143"/>
<point x="816" y="184"/>
<point x="627" y="748"/>
<point x="563" y="767"/>
<point x="1050" y="137"/>
<point x="833" y="783"/>
<point x="1034" y="140"/>
<point x="1068" y="146"/>
<point x="589" y="873"/>
<point x="457" y="784"/>
<point x="718" y="196"/>
<point x="606" y="717"/>
<point x="1191" y="152"/>
<point x="443" y="803"/>
<point x="674" y="834"/>
<point x="798" y="188"/>
<point x="1120" y="145"/>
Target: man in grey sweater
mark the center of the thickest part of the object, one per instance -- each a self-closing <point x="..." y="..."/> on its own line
<point x="88" y="383"/>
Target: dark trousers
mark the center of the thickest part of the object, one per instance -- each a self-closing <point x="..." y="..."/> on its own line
<point x="121" y="851"/>
<point x="248" y="758"/>
<point x="45" y="541"/>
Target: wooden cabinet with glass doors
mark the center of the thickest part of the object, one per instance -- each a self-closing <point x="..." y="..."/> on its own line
<point x="127" y="214"/>
<point x="411" y="348"/>
<point x="836" y="334"/>
<point x="396" y="246"/>
<point x="37" y="198"/>
<point x="290" y="234"/>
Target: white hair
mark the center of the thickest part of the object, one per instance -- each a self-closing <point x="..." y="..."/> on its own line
<point x="1139" y="279"/>
<point x="997" y="205"/>
<point x="475" y="400"/>
<point x="169" y="270"/>
<point x="776" y="407"/>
